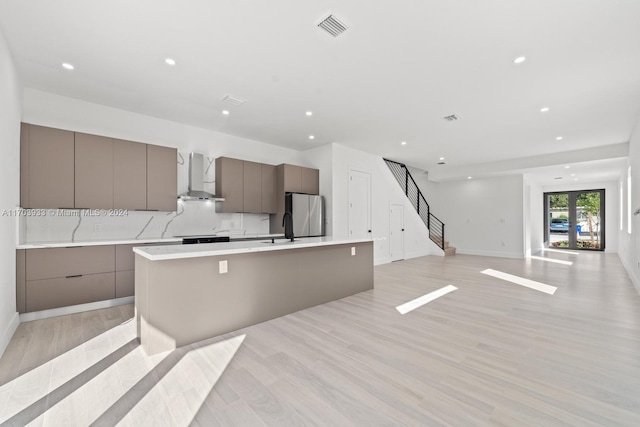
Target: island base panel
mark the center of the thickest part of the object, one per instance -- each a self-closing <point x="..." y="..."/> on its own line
<point x="182" y="301"/>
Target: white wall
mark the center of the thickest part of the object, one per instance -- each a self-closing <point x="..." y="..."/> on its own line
<point x="384" y="191"/>
<point x="482" y="216"/>
<point x="534" y="222"/>
<point x="611" y="207"/>
<point x="629" y="247"/>
<point x="10" y="111"/>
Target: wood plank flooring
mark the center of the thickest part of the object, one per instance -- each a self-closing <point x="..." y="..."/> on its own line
<point x="492" y="353"/>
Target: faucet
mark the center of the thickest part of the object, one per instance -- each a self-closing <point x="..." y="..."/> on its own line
<point x="287" y="223"/>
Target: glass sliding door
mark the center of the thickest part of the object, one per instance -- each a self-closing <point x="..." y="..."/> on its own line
<point x="590" y="215"/>
<point x="575" y="219"/>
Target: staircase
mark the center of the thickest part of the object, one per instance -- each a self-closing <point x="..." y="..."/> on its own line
<point x="415" y="196"/>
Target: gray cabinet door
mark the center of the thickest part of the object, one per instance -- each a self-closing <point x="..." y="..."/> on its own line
<point x="292" y="178"/>
<point x="125" y="258"/>
<point x="230" y="184"/>
<point x="130" y="177"/>
<point x="51" y="168"/>
<point x="252" y="187"/>
<point x="24" y="165"/>
<point x="125" y="283"/>
<point x="269" y="189"/>
<point x="61" y="262"/>
<point x="93" y="172"/>
<point x="65" y="291"/>
<point x="162" y="178"/>
<point x="20" y="280"/>
<point x="309" y="181"/>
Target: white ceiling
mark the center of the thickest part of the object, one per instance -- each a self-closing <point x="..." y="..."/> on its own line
<point x="397" y="71"/>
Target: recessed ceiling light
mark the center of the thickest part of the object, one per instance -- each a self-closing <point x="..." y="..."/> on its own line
<point x="573" y="174"/>
<point x="567" y="167"/>
<point x="468" y="177"/>
<point x="311" y="137"/>
<point x="309" y="113"/>
<point x="558" y="138"/>
<point x="225" y="112"/>
<point x="544" y="109"/>
<point x="441" y="158"/>
<point x="519" y="60"/>
<point x="575" y="179"/>
<point x="67" y="66"/>
<point x="170" y="61"/>
<point x="403" y="143"/>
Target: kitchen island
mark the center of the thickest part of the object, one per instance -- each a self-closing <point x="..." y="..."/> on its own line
<point x="189" y="293"/>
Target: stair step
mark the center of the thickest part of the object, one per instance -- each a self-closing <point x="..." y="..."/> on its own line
<point x="450" y="251"/>
<point x="438" y="242"/>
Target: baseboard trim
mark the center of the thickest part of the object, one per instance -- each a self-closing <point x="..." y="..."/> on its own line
<point x="45" y="314"/>
<point x="8" y="332"/>
<point x="514" y="255"/>
<point x="419" y="254"/>
<point x="631" y="274"/>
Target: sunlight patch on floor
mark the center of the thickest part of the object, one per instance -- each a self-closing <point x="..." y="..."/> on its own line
<point x="560" y="251"/>
<point x="110" y="380"/>
<point x="424" y="299"/>
<point x="556" y="261"/>
<point x="542" y="287"/>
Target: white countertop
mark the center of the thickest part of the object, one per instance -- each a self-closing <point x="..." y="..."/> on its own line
<point x="41" y="245"/>
<point x="158" y="253"/>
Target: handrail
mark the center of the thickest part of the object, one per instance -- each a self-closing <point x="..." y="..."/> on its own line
<point x="417" y="199"/>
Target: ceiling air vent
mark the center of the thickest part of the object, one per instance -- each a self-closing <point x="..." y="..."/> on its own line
<point x="558" y="177"/>
<point x="452" y="117"/>
<point x="332" y="25"/>
<point x="233" y="100"/>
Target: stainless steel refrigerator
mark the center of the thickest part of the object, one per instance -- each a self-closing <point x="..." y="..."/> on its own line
<point x="307" y="211"/>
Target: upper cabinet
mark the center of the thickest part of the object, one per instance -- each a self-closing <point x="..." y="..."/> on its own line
<point x="93" y="172"/>
<point x="269" y="188"/>
<point x="292" y="178"/>
<point x="247" y="187"/>
<point x="73" y="170"/>
<point x="230" y="184"/>
<point x="298" y="179"/>
<point x="162" y="178"/>
<point x="309" y="181"/>
<point x="252" y="187"/>
<point x="130" y="181"/>
<point x="47" y="167"/>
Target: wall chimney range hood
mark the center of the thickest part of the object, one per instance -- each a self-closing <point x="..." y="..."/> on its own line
<point x="196" y="181"/>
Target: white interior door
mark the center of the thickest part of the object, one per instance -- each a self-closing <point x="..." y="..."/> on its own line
<point x="359" y="204"/>
<point x="396" y="232"/>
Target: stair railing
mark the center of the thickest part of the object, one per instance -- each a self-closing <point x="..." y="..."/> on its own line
<point x="415" y="196"/>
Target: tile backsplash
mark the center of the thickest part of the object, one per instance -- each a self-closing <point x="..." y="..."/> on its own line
<point x="191" y="218"/>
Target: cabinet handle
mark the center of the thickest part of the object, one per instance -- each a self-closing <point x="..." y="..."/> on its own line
<point x="71" y="277"/>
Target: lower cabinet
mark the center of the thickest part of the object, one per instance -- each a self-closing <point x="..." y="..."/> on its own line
<point x="125" y="275"/>
<point x="125" y="281"/>
<point x="59" y="277"/>
<point x="63" y="291"/>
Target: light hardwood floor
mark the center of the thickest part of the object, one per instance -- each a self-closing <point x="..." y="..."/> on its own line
<point x="489" y="353"/>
